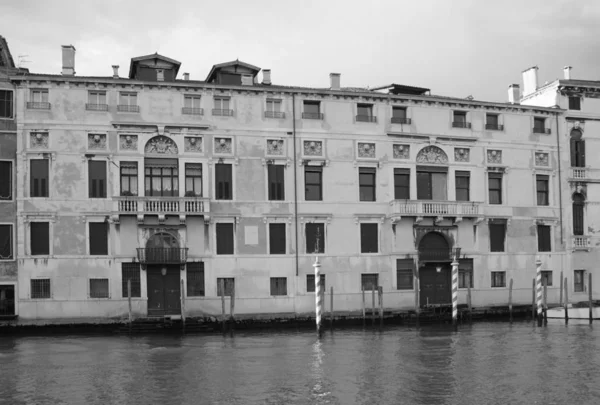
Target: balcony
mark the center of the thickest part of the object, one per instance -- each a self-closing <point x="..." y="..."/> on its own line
<point x="438" y="255"/>
<point x="494" y="127"/>
<point x="192" y="111"/>
<point x="460" y="124"/>
<point x="580" y="243"/>
<point x="366" y="118"/>
<point x="162" y="256"/>
<point x="312" y="116"/>
<point x="33" y="105"/>
<point x="222" y="113"/>
<point x="128" y="108"/>
<point x="274" y="114"/>
<point x="427" y="208"/>
<point x="96" y="107"/>
<point x="541" y="130"/>
<point x="400" y="120"/>
<point x="161" y="206"/>
<point x="582" y="174"/>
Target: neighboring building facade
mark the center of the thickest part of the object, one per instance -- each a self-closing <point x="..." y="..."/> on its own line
<point x="176" y="185"/>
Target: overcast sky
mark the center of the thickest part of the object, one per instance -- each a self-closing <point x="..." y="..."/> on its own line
<point x="455" y="48"/>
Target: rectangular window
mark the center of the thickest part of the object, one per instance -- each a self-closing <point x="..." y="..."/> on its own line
<point x="278" y="286"/>
<point x="574" y="103"/>
<point x="364" y="113"/>
<point x="96" y="101"/>
<point x="579" y="282"/>
<point x="462" y="181"/>
<point x="497" y="236"/>
<point x="541" y="184"/>
<point x="369" y="238"/>
<point x="195" y="279"/>
<point x="6" y="174"/>
<point x="223" y="181"/>
<point x="39" y="177"/>
<point x="369" y="281"/>
<point x="191" y="105"/>
<point x="97" y="178"/>
<point x="222" y="106"/>
<point x="193" y="179"/>
<point x="547" y="278"/>
<point x="39" y="95"/>
<point x="399" y="115"/>
<point x="492" y="122"/>
<point x="404" y="274"/>
<point x="99" y="288"/>
<point x="315" y="238"/>
<point x="131" y="271"/>
<point x="465" y="273"/>
<point x="495" y="188"/>
<point x="40" y="288"/>
<point x="498" y="279"/>
<point x="313" y="183"/>
<point x="129" y="178"/>
<point x="7" y="299"/>
<point x="128" y="99"/>
<point x="312" y="110"/>
<point x="460" y="120"/>
<point x="310" y="282"/>
<point x="39" y="233"/>
<point x="275" y="174"/>
<point x="274" y="109"/>
<point x="277" y="238"/>
<point x="225" y="243"/>
<point x="401" y="184"/>
<point x="544" y="238"/>
<point x="431" y="183"/>
<point x="366" y="181"/>
<point x="539" y="125"/>
<point x="6" y="104"/>
<point x="161" y="177"/>
<point x="6" y="242"/>
<point x="98" y="238"/>
<point x="227" y="284"/>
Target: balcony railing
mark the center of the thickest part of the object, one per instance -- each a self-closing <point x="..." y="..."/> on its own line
<point x="541" y="130"/>
<point x="400" y="120"/>
<point x="460" y="124"/>
<point x="494" y="127"/>
<point x="434" y="208"/>
<point x="312" y="116"/>
<point x="128" y="108"/>
<point x="34" y="105"/>
<point x="222" y="113"/>
<point x="96" y="107"/>
<point x="438" y="255"/>
<point x="581" y="242"/>
<point x="161" y="205"/>
<point x="366" y="118"/>
<point x="274" y="114"/>
<point x="192" y="111"/>
<point x="162" y="255"/>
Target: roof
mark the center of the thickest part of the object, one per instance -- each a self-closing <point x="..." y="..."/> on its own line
<point x="403" y="89"/>
<point x="6" y="59"/>
<point x="236" y="62"/>
<point x="134" y="62"/>
<point x="581" y="83"/>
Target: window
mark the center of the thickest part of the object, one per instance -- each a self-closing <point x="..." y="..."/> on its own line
<point x="497" y="236"/>
<point x="7" y="299"/>
<point x="273" y="109"/>
<point x="278" y="286"/>
<point x="401" y="184"/>
<point x="495" y="188"/>
<point x="498" y="279"/>
<point x="128" y="102"/>
<point x="98" y="238"/>
<point x="462" y="182"/>
<point x="544" y="238"/>
<point x="228" y="284"/>
<point x="222" y="106"/>
<point x="5" y="180"/>
<point x="539" y="126"/>
<point x="39" y="233"/>
<point x="96" y="101"/>
<point x="223" y="181"/>
<point x="366" y="180"/>
<point x="404" y="274"/>
<point x="131" y="271"/>
<point x="129" y="178"/>
<point x="6" y="104"/>
<point x="465" y="273"/>
<point x="312" y="110"/>
<point x="369" y="238"/>
<point x="161" y="177"/>
<point x="579" y="282"/>
<point x="39" y="177"/>
<point x="191" y="105"/>
<point x="547" y="278"/>
<point x="577" y="145"/>
<point x="364" y="113"/>
<point x="460" y="120"/>
<point x="97" y="178"/>
<point x="541" y="183"/>
<point x="313" y="183"/>
<point x="39" y="99"/>
<point x="492" y="122"/>
<point x="6" y="242"/>
<point x="275" y="174"/>
<point x="369" y="281"/>
<point x="399" y="115"/>
<point x="277" y="241"/>
<point x="431" y="183"/>
<point x="578" y="208"/>
<point x="315" y="238"/>
<point x="40" y="288"/>
<point x="225" y="243"/>
<point x="99" y="288"/>
<point x="310" y="282"/>
<point x="574" y="103"/>
<point x="160" y="75"/>
<point x="195" y="279"/>
<point x="193" y="179"/>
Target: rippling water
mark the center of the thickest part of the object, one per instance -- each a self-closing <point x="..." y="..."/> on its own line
<point x="481" y="364"/>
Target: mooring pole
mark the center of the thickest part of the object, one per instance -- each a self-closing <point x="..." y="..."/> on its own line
<point x="590" y="299"/>
<point x="318" y="295"/>
<point x="331" y="308"/>
<point x="539" y="292"/>
<point x="566" y="300"/>
<point x="469" y="301"/>
<point x="129" y="302"/>
<point x="222" y="282"/>
<point x="510" y="307"/>
<point x="533" y="300"/>
<point x="560" y="299"/>
<point x="545" y="305"/>
<point x="373" y="305"/>
<point x="455" y="292"/>
<point x="380" y="291"/>
<point x="364" y="310"/>
<point x="232" y="308"/>
<point x="182" y="305"/>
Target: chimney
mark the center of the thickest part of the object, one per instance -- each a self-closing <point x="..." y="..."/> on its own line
<point x="334" y="79"/>
<point x="567" y="72"/>
<point x="266" y="76"/>
<point x="68" y="60"/>
<point x="530" y="80"/>
<point x="513" y="94"/>
<point x="115" y="71"/>
<point x="186" y="76"/>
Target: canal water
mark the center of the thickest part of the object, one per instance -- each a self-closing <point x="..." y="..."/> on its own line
<point x="486" y="363"/>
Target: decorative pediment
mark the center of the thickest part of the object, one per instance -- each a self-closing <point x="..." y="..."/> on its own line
<point x="432" y="154"/>
<point x="162" y="145"/>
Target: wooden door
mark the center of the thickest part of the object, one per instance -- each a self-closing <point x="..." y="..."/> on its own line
<point x="435" y="287"/>
<point x="164" y="291"/>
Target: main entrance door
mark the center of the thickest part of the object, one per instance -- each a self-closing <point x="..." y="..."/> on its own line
<point x="164" y="290"/>
<point x="435" y="286"/>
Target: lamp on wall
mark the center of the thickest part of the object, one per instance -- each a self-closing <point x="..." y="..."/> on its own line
<point x="163" y="271"/>
<point x="438" y="269"/>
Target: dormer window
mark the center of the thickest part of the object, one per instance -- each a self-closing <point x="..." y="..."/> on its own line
<point x="160" y="75"/>
<point x="154" y="68"/>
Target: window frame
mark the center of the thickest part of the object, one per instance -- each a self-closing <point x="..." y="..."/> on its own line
<point x="94" y="95"/>
<point x="97" y="279"/>
<point x="572" y="105"/>
<point x="227" y="284"/>
<point x="372" y="172"/>
<point x="491" y="243"/>
<point x="31" y="289"/>
<point x="228" y="189"/>
<point x="465" y="272"/>
<point x="500" y="176"/>
<point x="322" y="238"/>
<point x="547" y="275"/>
<point x="219" y="225"/>
<point x="98" y="251"/>
<point x="310" y="284"/>
<point x="402" y="267"/>
<point x="12" y="236"/>
<point x="542" y="239"/>
<point x="10" y="104"/>
<point x="364" y="278"/>
<point x="462" y="174"/>
<point x="173" y="178"/>
<point x="281" y="290"/>
<point x="31" y="178"/>
<point x="579" y="287"/>
<point x="100" y="191"/>
<point x="270" y="238"/>
<point x="401" y="172"/>
<point x="136" y="282"/>
<point x="50" y="238"/>
<point x="369" y="238"/>
<point x="311" y="115"/>
<point x="193" y="192"/>
<point x="129" y="165"/>
<point x="494" y="280"/>
<point x="276" y="177"/>
<point x="541" y="194"/>
<point x="319" y="185"/>
<point x="128" y="95"/>
<point x="41" y="91"/>
<point x="192" y="284"/>
<point x="11" y="182"/>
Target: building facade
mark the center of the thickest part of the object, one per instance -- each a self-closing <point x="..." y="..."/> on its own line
<point x="176" y="191"/>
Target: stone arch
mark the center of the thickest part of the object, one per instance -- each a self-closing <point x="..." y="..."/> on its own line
<point x="161" y="145"/>
<point x="162" y="240"/>
<point x="576" y="133"/>
<point x="434" y="246"/>
<point x="432" y="154"/>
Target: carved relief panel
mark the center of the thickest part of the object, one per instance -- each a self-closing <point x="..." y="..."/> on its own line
<point x="39" y="140"/>
<point x="97" y="141"/>
<point x="462" y="154"/>
<point x="128" y="142"/>
<point x="193" y="144"/>
<point x="366" y="150"/>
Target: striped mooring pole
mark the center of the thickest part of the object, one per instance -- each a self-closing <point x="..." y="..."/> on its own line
<point x="539" y="290"/>
<point x="455" y="292"/>
<point x="318" y="295"/>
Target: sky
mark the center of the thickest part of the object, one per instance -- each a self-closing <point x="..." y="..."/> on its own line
<point x="456" y="48"/>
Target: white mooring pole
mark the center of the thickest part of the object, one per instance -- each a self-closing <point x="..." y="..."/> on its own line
<point x="538" y="289"/>
<point x="318" y="295"/>
<point x="455" y="291"/>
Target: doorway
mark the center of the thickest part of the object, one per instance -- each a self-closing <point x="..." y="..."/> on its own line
<point x="164" y="290"/>
<point x="434" y="280"/>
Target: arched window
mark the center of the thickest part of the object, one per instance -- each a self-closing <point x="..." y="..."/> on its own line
<point x="578" y="205"/>
<point x="434" y="246"/>
<point x="577" y="148"/>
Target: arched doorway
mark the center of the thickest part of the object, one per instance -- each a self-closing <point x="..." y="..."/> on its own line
<point x="163" y="274"/>
<point x="435" y="272"/>
<point x="578" y="207"/>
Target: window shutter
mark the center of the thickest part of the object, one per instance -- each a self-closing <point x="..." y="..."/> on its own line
<point x="424" y="186"/>
<point x="97" y="178"/>
<point x="277" y="238"/>
<point x="368" y="238"/>
<point x="225" y="244"/>
<point x="40" y="238"/>
<point x="5" y="180"/>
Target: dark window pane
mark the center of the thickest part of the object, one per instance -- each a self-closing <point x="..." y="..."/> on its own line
<point x="6" y="242"/>
<point x="578" y="208"/>
<point x="369" y="242"/>
<point x="129" y="178"/>
<point x="402" y="184"/>
<point x="542" y="189"/>
<point x="462" y="180"/>
<point x="497" y="236"/>
<point x="465" y="273"/>
<point x="544" y="238"/>
<point x="6" y="180"/>
<point x="315" y="238"/>
<point x="424" y="191"/>
<point x="193" y="179"/>
<point x="492" y="120"/>
<point x="195" y="279"/>
<point x="547" y="278"/>
<point x="97" y="178"/>
<point x="225" y="283"/>
<point x="311" y="107"/>
<point x="99" y="288"/>
<point x="574" y="103"/>
<point x="495" y="188"/>
<point x="131" y="271"/>
<point x="366" y="179"/>
<point x="277" y="239"/>
<point x="98" y="238"/>
<point x="39" y="178"/>
<point x="40" y="288"/>
<point x="278" y="286"/>
<point x="498" y="279"/>
<point x="404" y="274"/>
<point x="369" y="281"/>
<point x="224" y="181"/>
<point x="579" y="282"/>
<point x="6" y="104"/>
<point x="225" y="244"/>
<point x="40" y="238"/>
<point x="276" y="182"/>
<point x="310" y="282"/>
<point x="313" y="183"/>
<point x="399" y="112"/>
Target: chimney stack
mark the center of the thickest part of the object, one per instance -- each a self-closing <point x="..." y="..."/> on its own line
<point x="115" y="71"/>
<point x="530" y="80"/>
<point x="513" y="94"/>
<point x="186" y="76"/>
<point x="334" y="79"/>
<point x="68" y="60"/>
<point x="567" y="72"/>
<point x="266" y="76"/>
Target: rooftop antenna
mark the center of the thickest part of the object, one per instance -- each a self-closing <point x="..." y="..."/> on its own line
<point x="21" y="60"/>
